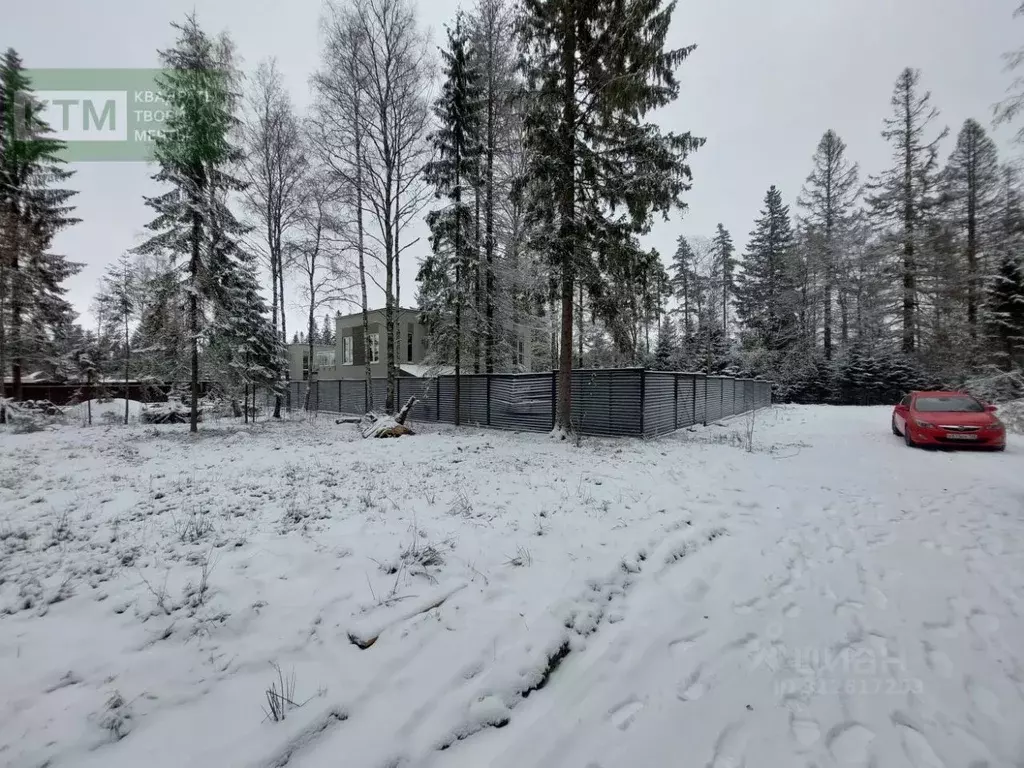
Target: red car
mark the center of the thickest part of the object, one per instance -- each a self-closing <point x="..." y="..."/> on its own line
<point x="947" y="419"/>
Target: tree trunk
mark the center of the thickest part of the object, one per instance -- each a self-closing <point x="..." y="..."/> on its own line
<point x="477" y="283"/>
<point x="909" y="264"/>
<point x="489" y="208"/>
<point x="579" y="328"/>
<point x="361" y="248"/>
<point x="972" y="254"/>
<point x="567" y="215"/>
<point x="16" y="316"/>
<point x="193" y="318"/>
<point x="3" y="325"/>
<point x="127" y="363"/>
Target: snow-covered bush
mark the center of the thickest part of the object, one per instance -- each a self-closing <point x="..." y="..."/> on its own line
<point x="1012" y="415"/>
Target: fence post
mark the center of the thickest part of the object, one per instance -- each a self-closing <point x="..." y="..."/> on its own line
<point x="643" y="398"/>
<point x="721" y="398"/>
<point x="705" y="399"/>
<point x="437" y="396"/>
<point x="339" y="396"/>
<point x="675" y="399"/>
<point x="693" y="397"/>
<point x="488" y="399"/>
<point x="554" y="397"/>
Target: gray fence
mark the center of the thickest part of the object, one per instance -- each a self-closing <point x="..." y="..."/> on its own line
<point x="616" y="403"/>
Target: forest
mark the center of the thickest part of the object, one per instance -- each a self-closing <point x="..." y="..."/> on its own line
<point x="538" y="168"/>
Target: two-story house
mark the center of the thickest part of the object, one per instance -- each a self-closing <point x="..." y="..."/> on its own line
<point x="346" y="359"/>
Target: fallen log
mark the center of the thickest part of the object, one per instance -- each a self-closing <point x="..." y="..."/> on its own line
<point x="404" y="413"/>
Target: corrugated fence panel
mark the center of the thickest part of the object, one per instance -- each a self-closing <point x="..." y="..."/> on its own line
<point x="714" y="403"/>
<point x="763" y="399"/>
<point x="700" y="384"/>
<point x="592" y="402"/>
<point x="380" y="393"/>
<point x="607" y="402"/>
<point x="659" y="403"/>
<point x="424" y="390"/>
<point x="473" y="400"/>
<point x="685" y="405"/>
<point x="353" y="396"/>
<point x="614" y="402"/>
<point x="446" y="398"/>
<point x="328" y="400"/>
<point x="521" y="402"/>
<point x="627" y="402"/>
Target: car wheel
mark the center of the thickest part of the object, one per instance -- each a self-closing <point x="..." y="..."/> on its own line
<point x="907" y="438"/>
<point x="894" y="430"/>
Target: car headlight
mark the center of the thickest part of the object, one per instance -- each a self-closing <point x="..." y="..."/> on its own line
<point x="924" y="424"/>
<point x="997" y="425"/>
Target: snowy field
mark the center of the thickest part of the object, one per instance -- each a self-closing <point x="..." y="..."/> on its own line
<point x="477" y="598"/>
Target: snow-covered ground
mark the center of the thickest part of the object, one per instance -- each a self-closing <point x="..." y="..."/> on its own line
<point x="478" y="598"/>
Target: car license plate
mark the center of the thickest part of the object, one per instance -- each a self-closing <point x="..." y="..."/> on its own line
<point x="957" y="436"/>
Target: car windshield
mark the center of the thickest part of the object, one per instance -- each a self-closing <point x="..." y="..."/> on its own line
<point x="951" y="404"/>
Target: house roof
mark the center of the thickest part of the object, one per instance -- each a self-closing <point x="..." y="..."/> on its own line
<point x="422" y="371"/>
<point x="374" y="311"/>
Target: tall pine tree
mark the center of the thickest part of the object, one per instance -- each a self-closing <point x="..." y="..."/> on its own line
<point x="33" y="209"/>
<point x="445" y="275"/>
<point x="766" y="293"/>
<point x="597" y="170"/>
<point x="726" y="267"/>
<point x="829" y="199"/>
<point x="971" y="183"/>
<point x="1005" y="295"/>
<point x="194" y="224"/>
<point x="904" y="195"/>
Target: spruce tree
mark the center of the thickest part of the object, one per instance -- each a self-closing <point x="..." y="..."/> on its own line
<point x="766" y="291"/>
<point x="33" y="209"/>
<point x="904" y="195"/>
<point x="117" y="304"/>
<point x="667" y="351"/>
<point x="1005" y="295"/>
<point x="327" y="331"/>
<point x="445" y="275"/>
<point x="597" y="171"/>
<point x="971" y="186"/>
<point x="683" y="282"/>
<point x="726" y="266"/>
<point x="829" y="198"/>
<point x="194" y="223"/>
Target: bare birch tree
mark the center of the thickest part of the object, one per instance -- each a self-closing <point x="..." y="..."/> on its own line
<point x="274" y="167"/>
<point x="370" y="125"/>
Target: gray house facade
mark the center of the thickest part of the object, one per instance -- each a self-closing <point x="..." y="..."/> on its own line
<point x="346" y="359"/>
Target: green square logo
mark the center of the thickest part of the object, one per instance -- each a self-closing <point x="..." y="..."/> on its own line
<point x="108" y="115"/>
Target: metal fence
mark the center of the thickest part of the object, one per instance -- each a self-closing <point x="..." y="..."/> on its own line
<point x="615" y="403"/>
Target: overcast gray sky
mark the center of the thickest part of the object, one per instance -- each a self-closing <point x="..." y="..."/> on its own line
<point x="768" y="78"/>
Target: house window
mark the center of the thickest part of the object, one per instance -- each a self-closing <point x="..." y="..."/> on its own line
<point x="346" y="350"/>
<point x="325" y="359"/>
<point x="408" y="351"/>
<point x="305" y="366"/>
<point x="374" y="347"/>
